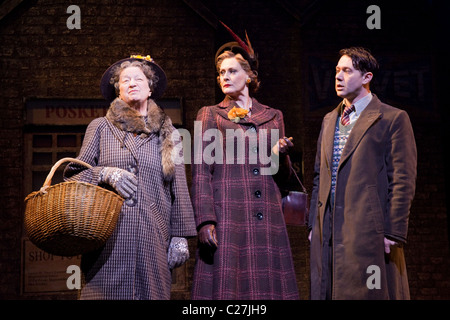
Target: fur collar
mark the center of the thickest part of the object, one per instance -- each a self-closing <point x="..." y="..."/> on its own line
<point x="129" y="119"/>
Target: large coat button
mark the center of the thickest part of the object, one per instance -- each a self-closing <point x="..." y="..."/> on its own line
<point x="258" y="194"/>
<point x="131" y="202"/>
<point x="259" y="216"/>
<point x="255" y="171"/>
<point x="133" y="169"/>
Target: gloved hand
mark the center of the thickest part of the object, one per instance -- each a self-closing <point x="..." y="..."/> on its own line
<point x="124" y="182"/>
<point x="283" y="145"/>
<point x="178" y="252"/>
<point x="207" y="235"/>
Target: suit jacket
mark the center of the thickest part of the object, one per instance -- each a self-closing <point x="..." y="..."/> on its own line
<point x="374" y="190"/>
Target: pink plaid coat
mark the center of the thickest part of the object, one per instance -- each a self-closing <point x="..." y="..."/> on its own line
<point x="253" y="259"/>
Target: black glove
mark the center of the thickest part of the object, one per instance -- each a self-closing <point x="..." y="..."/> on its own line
<point x="207" y="235"/>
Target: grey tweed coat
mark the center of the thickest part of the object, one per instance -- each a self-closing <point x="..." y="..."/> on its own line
<point x="133" y="263"/>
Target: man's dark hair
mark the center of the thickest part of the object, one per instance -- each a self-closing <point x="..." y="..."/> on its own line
<point x="362" y="59"/>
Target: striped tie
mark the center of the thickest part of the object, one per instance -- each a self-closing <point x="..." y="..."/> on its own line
<point x="345" y="119"/>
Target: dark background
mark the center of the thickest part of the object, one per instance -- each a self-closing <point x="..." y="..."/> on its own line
<point x="297" y="43"/>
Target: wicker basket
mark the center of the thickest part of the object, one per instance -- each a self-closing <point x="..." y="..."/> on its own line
<point x="70" y="218"/>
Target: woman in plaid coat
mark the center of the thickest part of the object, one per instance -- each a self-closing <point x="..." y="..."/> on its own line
<point x="130" y="150"/>
<point x="244" y="250"/>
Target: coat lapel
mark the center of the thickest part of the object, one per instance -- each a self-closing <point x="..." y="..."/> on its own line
<point x="329" y="126"/>
<point x="126" y="123"/>
<point x="260" y="113"/>
<point x="367" y="118"/>
<point x="125" y="138"/>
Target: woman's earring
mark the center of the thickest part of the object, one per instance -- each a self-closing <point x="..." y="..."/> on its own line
<point x="248" y="80"/>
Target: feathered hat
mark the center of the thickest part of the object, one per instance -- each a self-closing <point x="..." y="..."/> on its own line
<point x="108" y="90"/>
<point x="239" y="46"/>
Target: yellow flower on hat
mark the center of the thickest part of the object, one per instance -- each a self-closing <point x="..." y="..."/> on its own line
<point x="138" y="56"/>
<point x="236" y="114"/>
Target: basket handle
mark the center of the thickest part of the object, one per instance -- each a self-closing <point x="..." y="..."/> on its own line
<point x="48" y="181"/>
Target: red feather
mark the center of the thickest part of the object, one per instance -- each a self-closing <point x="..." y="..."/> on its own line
<point x="246" y="47"/>
<point x="250" y="49"/>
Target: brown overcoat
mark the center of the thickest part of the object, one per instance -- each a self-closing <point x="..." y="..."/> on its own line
<point x="133" y="263"/>
<point x="374" y="190"/>
<point x="253" y="259"/>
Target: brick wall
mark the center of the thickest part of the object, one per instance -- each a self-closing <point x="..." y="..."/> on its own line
<point x="41" y="57"/>
<point x="408" y="44"/>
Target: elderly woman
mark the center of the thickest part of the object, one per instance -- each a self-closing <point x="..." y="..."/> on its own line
<point x="130" y="150"/>
<point x="244" y="250"/>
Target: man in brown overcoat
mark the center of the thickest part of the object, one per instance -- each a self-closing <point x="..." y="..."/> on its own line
<point x="364" y="183"/>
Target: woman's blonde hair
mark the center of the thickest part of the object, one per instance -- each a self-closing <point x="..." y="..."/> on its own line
<point x="254" y="83"/>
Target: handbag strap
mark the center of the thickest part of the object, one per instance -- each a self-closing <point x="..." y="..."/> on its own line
<point x="292" y="169"/>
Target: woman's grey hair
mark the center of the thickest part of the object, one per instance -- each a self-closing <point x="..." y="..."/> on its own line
<point x="146" y="69"/>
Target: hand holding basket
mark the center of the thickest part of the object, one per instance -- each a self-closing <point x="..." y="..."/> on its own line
<point x="71" y="218"/>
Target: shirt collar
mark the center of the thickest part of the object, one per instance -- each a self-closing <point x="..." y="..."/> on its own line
<point x="361" y="104"/>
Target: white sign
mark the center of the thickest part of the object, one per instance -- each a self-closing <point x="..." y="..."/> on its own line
<point x="43" y="272"/>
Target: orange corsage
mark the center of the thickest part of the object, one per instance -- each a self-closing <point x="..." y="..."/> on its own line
<point x="236" y="114"/>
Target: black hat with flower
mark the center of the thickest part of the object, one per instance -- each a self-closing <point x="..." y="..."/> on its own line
<point x="107" y="87"/>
